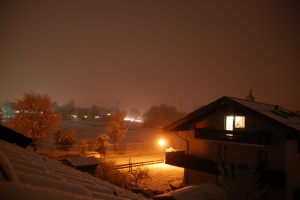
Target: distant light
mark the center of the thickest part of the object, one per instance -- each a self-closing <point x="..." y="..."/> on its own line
<point x="16" y="111"/>
<point x="132" y="119"/>
<point x="162" y="142"/>
<point x="85" y="116"/>
<point x="74" y="116"/>
<point x="127" y="119"/>
<point x="229" y="134"/>
<point x="108" y="114"/>
<point x="97" y="117"/>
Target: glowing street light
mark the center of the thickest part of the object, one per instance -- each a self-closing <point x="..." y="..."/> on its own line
<point x="162" y="142"/>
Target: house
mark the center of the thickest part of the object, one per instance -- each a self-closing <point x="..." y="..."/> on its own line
<point x="85" y="164"/>
<point x="12" y="136"/>
<point x="236" y="133"/>
<point x="27" y="175"/>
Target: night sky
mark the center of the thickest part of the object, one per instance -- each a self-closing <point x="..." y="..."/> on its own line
<point x="143" y="53"/>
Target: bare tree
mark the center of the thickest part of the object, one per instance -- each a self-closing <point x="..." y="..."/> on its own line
<point x="116" y="127"/>
<point x="138" y="174"/>
<point x="102" y="141"/>
<point x="36" y="117"/>
<point x="107" y="171"/>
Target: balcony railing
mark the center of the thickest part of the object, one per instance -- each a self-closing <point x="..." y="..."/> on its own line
<point x="272" y="178"/>
<point x="258" y="137"/>
<point x="180" y="159"/>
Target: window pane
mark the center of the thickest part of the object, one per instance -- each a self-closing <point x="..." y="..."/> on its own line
<point x="229" y="123"/>
<point x="239" y="122"/>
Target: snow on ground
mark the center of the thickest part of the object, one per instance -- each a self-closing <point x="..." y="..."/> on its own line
<point x="125" y="159"/>
<point x="161" y="175"/>
<point x="147" y="136"/>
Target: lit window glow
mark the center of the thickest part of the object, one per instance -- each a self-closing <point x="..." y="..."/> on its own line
<point x="234" y="122"/>
<point x="239" y="122"/>
<point x="229" y="123"/>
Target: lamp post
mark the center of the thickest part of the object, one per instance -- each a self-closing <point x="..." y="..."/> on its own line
<point x="162" y="143"/>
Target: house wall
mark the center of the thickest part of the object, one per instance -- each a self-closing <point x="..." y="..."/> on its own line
<point x="292" y="168"/>
<point x="203" y="149"/>
<point x="276" y="152"/>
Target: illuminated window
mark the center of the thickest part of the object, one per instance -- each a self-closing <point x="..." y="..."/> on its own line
<point x="234" y="122"/>
<point x="229" y="123"/>
<point x="239" y="121"/>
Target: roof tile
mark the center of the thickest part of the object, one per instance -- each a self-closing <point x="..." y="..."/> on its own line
<point x="40" y="177"/>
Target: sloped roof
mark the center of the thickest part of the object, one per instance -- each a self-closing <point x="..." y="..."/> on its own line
<point x="206" y="191"/>
<point x="14" y="137"/>
<point x="27" y="175"/>
<point x="274" y="113"/>
<point x="82" y="161"/>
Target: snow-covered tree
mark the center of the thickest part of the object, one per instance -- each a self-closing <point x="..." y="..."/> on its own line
<point x="36" y="118"/>
<point x="102" y="141"/>
<point x="116" y="127"/>
<point x="65" y="138"/>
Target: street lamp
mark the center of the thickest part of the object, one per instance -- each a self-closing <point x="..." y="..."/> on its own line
<point x="162" y="142"/>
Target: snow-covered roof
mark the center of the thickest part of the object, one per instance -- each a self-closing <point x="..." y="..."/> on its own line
<point x="206" y="191"/>
<point x="27" y="175"/>
<point x="275" y="112"/>
<point x="82" y="161"/>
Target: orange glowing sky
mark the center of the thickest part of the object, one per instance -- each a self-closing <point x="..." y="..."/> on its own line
<point x="142" y="53"/>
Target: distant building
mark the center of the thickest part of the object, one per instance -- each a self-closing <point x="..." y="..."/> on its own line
<point x="241" y="132"/>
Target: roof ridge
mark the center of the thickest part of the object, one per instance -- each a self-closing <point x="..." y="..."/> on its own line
<point x="254" y="101"/>
<point x="263" y="109"/>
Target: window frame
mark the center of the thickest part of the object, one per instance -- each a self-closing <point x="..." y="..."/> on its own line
<point x="232" y="124"/>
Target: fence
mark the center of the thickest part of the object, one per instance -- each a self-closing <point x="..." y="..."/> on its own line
<point x="130" y="165"/>
<point x="64" y="150"/>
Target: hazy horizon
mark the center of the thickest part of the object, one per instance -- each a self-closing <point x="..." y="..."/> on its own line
<point x="144" y="53"/>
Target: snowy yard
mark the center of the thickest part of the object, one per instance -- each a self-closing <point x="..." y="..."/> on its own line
<point x="161" y="175"/>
